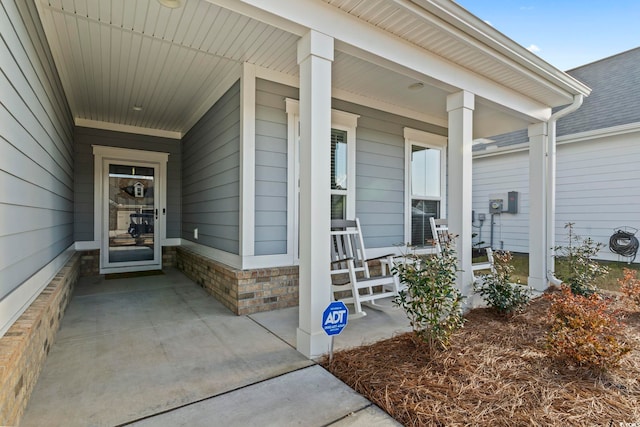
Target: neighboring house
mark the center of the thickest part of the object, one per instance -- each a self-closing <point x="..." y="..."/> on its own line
<point x="598" y="164"/>
<point x="221" y="137"/>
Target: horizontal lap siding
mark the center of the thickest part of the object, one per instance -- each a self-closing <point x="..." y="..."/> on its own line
<point x="271" y="167"/>
<point x="380" y="182"/>
<point x="597" y="188"/>
<point x="36" y="150"/>
<point x="211" y="176"/>
<point x="85" y="138"/>
<point x="379" y="169"/>
<point x="499" y="175"/>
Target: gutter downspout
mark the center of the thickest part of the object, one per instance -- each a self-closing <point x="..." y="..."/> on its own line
<point x="551" y="185"/>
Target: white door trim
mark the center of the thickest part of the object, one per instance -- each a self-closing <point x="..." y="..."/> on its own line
<point x="159" y="160"/>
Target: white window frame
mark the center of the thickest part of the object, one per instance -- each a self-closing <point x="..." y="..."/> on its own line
<point x="340" y="120"/>
<point x="428" y="140"/>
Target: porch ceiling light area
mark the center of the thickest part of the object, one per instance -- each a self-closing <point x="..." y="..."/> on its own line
<point x="171" y="4"/>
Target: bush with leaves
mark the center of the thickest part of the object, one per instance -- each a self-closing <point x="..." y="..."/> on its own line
<point x="630" y="286"/>
<point x="583" y="270"/>
<point x="584" y="330"/>
<point x="497" y="290"/>
<point x="432" y="302"/>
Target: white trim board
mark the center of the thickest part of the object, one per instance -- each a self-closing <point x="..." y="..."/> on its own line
<point x="116" y="127"/>
<point x="232" y="260"/>
<point x="14" y="304"/>
<point x="343" y="95"/>
<point x="560" y="140"/>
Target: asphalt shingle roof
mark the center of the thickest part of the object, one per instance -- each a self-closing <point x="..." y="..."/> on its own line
<point x="614" y="100"/>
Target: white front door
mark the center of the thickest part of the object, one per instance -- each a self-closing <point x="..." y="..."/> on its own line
<point x="131" y="209"/>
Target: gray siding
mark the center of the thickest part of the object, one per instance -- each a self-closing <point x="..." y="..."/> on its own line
<point x="380" y="172"/>
<point x="211" y="176"/>
<point x="84" y="185"/>
<point x="379" y="169"/>
<point x="36" y="152"/>
<point x="271" y="167"/>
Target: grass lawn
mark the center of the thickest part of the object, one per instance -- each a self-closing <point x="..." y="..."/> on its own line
<point x="609" y="282"/>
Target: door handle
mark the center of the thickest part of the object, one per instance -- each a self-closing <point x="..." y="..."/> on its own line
<point x="156" y="213"/>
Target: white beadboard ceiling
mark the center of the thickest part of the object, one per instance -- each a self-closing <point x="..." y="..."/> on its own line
<point x="113" y="55"/>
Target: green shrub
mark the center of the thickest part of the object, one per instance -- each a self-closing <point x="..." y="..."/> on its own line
<point x="583" y="330"/>
<point x="430" y="298"/>
<point x="497" y="290"/>
<point x="583" y="270"/>
<point x="630" y="286"/>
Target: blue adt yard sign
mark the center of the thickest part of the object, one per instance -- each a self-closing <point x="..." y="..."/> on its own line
<point x="334" y="318"/>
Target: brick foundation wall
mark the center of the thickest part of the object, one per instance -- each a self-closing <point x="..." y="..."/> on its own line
<point x="168" y="256"/>
<point x="90" y="260"/>
<point x="26" y="344"/>
<point x="241" y="291"/>
<point x="89" y="263"/>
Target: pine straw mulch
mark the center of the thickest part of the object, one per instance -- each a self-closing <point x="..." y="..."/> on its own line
<point x="495" y="373"/>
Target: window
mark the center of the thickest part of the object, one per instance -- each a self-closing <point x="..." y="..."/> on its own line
<point x="339" y="176"/>
<point x="424" y="177"/>
<point x="343" y="165"/>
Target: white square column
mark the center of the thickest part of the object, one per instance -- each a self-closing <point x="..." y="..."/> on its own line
<point x="460" y="107"/>
<point x="538" y="206"/>
<point x="315" y="55"/>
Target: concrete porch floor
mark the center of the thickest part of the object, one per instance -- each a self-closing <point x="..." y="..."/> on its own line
<point x="160" y="351"/>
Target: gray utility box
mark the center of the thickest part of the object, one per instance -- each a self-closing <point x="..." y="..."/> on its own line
<point x="512" y="202"/>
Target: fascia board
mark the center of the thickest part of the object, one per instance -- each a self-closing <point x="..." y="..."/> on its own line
<point x="382" y="45"/>
<point x="457" y="16"/>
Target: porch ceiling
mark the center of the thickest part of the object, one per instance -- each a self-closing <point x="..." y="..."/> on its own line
<point x="115" y="55"/>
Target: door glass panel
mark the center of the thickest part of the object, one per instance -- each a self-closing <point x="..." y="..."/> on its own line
<point x="131" y="213"/>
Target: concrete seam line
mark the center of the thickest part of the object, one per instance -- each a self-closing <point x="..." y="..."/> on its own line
<point x="166" y="411"/>
<point x="349" y="414"/>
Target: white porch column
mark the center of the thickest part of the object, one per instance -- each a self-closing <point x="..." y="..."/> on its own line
<point x="315" y="55"/>
<point x="537" y="206"/>
<point x="460" y="107"/>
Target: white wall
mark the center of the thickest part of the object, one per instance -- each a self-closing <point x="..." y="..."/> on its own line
<point x="598" y="189"/>
<point x="497" y="175"/>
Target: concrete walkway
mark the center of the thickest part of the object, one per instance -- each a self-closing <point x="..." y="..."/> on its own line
<point x="160" y="351"/>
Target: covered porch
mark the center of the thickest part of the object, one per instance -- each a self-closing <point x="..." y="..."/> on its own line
<point x="157" y="350"/>
<point x="390" y="74"/>
<point x="216" y="77"/>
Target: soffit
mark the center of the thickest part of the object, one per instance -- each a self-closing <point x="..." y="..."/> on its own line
<point x="113" y="55"/>
<point x="414" y="24"/>
<point x="175" y="63"/>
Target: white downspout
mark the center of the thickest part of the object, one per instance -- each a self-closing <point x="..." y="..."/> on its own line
<point x="551" y="185"/>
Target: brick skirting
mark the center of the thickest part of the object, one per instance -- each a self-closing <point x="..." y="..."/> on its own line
<point x="241" y="291"/>
<point x="90" y="260"/>
<point x="25" y="345"/>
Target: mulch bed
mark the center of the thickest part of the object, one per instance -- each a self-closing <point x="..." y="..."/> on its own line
<point x="495" y="373"/>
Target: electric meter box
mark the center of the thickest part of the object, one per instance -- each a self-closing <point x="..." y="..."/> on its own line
<point x="512" y="202"/>
<point x="495" y="206"/>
